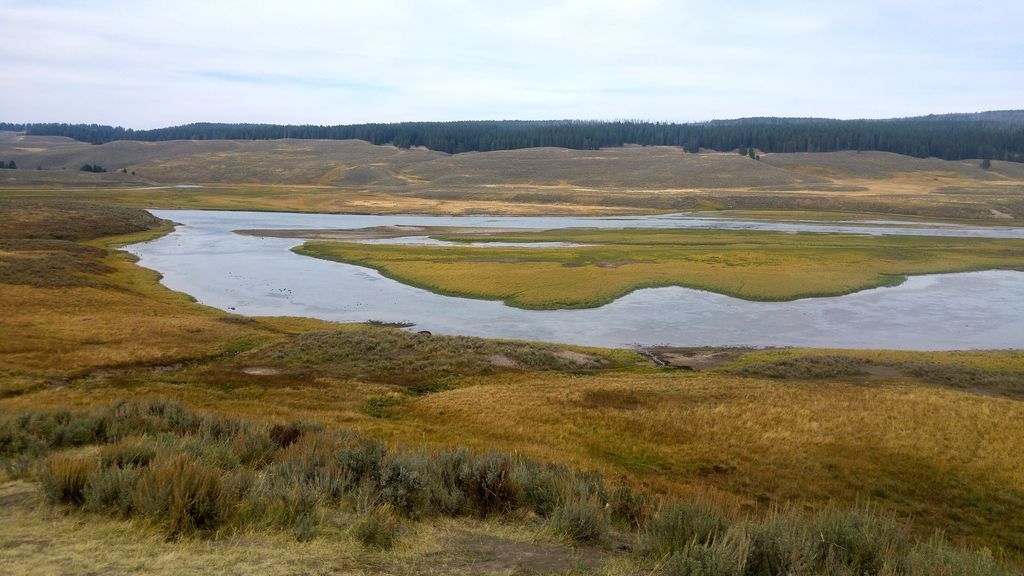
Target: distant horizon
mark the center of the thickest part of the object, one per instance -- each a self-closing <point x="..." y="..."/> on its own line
<point x="554" y="120"/>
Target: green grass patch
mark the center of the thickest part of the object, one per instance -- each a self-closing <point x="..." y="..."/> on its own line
<point x="384" y="406"/>
<point x="766" y="266"/>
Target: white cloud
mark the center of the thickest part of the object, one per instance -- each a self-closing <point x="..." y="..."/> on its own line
<point x="146" y="64"/>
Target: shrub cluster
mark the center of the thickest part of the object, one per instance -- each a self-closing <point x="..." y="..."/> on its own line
<point x="809" y="367"/>
<point x="1009" y="383"/>
<point x="418" y="362"/>
<point x="695" y="538"/>
<point x="197" y="474"/>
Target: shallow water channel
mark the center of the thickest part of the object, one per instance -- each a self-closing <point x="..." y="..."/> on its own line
<point x="257" y="276"/>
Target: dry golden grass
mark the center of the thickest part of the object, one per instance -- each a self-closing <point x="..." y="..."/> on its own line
<point x="948" y="458"/>
<point x="323" y="199"/>
<point x="123" y="316"/>
<point x="74" y="329"/>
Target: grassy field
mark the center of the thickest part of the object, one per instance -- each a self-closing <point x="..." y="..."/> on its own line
<point x="71" y="304"/>
<point x="749" y="265"/>
<point x="923" y="437"/>
<point x="187" y="474"/>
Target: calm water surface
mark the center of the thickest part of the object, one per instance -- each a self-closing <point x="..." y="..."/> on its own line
<point x="260" y="276"/>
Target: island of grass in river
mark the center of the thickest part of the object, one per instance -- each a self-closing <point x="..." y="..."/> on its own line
<point x="762" y="266"/>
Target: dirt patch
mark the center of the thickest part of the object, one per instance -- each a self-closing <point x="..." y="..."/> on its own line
<point x="618" y="263"/>
<point x="493" y="555"/>
<point x="502" y="361"/>
<point x="580" y="359"/>
<point x="883" y="370"/>
<point x="262" y="371"/>
<point x="704" y="358"/>
<point x="16" y="494"/>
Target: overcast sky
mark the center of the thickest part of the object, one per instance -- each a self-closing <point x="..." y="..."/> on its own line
<point x="146" y="64"/>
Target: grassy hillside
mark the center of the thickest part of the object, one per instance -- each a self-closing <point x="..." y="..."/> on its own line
<point x="354" y="176"/>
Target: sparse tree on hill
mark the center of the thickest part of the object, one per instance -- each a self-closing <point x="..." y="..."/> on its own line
<point x="751" y="153"/>
<point x="986" y="164"/>
<point x="12" y="165"/>
<point x="742" y="150"/>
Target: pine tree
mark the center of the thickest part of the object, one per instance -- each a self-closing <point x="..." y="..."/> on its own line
<point x="986" y="164"/>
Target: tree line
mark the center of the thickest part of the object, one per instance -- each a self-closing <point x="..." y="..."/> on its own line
<point x="989" y="135"/>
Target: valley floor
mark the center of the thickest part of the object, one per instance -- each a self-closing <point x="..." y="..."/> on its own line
<point x="928" y="437"/>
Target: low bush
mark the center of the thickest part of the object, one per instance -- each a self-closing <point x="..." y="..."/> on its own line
<point x="724" y="555"/>
<point x="1006" y="382"/>
<point x="64" y="478"/>
<point x="857" y="540"/>
<point x="781" y="544"/>
<point x="808" y="367"/>
<point x="935" y="557"/>
<point x="1010" y="383"/>
<point x="383" y="406"/>
<point x="490" y="485"/>
<point x="377" y="527"/>
<point x="402" y="484"/>
<point x="582" y="521"/>
<point x="544" y="486"/>
<point x="132" y="452"/>
<point x="111" y="490"/>
<point x="678" y="524"/>
<point x="281" y="503"/>
<point x="284" y="435"/>
<point x="187" y="496"/>
<point x="630" y="506"/>
<point x="418" y="362"/>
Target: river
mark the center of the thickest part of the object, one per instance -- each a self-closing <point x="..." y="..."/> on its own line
<point x="260" y="276"/>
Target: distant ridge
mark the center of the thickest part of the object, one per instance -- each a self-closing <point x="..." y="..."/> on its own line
<point x="996" y="135"/>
